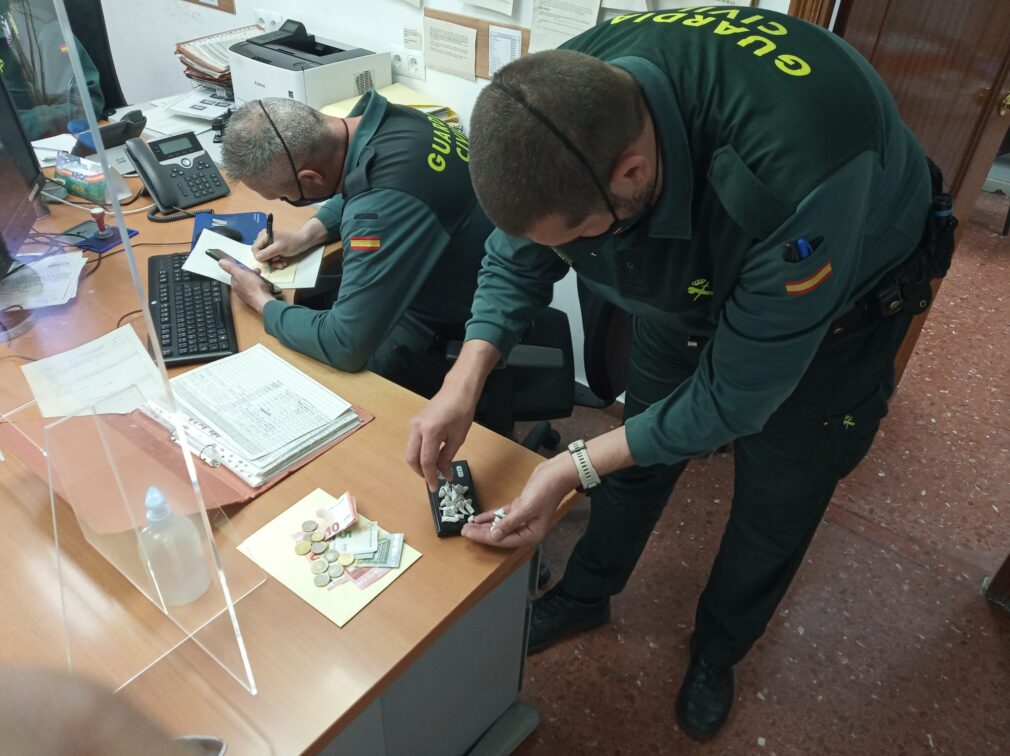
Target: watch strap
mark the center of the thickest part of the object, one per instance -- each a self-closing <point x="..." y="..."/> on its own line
<point x="588" y="476"/>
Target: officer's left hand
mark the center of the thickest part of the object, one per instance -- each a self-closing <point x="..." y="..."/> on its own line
<point x="249" y="284"/>
<point x="530" y="516"/>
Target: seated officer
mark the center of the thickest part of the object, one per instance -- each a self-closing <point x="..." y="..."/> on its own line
<point x="35" y="66"/>
<point x="742" y="184"/>
<point x="397" y="191"/>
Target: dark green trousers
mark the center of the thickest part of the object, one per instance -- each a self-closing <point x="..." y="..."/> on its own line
<point x="785" y="477"/>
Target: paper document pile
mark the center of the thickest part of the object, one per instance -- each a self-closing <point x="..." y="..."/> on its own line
<point x="206" y="58"/>
<point x="205" y="101"/>
<point x="256" y="414"/>
<point x="337" y="570"/>
<point x="47" y="282"/>
<point x="398" y="94"/>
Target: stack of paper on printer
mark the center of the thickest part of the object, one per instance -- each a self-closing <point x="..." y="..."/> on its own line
<point x="255" y="413"/>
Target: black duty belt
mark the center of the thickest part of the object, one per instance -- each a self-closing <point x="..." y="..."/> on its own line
<point x="907" y="288"/>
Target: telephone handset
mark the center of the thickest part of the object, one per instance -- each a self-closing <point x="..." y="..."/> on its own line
<point x="177" y="172"/>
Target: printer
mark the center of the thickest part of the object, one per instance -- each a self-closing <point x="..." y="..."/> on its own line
<point x="291" y="63"/>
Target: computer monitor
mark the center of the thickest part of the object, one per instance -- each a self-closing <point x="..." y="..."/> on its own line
<point x="21" y="180"/>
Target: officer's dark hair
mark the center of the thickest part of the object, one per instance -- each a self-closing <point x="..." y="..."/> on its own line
<point x="522" y="171"/>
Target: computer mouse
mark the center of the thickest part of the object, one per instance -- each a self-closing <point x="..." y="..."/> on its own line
<point x="228" y="232"/>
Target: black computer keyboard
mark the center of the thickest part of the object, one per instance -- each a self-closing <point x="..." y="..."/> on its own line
<point x="191" y="314"/>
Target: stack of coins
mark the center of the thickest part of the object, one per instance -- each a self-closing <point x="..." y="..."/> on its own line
<point x="326" y="562"/>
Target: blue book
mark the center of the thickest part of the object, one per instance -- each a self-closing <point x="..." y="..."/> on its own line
<point x="247" y="224"/>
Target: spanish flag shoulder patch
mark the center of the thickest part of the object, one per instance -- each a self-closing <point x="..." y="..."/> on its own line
<point x="811" y="282"/>
<point x="366" y="243"/>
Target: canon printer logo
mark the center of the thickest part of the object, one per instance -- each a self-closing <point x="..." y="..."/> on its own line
<point x="259" y="84"/>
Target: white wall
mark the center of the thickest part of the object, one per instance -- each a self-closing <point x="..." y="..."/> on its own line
<point x="143" y="36"/>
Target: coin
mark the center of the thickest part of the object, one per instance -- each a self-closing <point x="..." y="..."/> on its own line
<point x="318" y="547"/>
<point x="319" y="566"/>
<point x="309" y="525"/>
<point x="321" y="581"/>
<point x="346" y="559"/>
<point x="335" y="571"/>
<point x="331" y="555"/>
<point x="317" y="536"/>
<point x="302" y="548"/>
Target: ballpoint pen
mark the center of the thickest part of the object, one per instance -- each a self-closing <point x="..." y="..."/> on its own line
<point x="270" y="229"/>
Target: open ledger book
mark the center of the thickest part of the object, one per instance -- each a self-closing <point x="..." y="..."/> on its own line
<point x="255" y="414"/>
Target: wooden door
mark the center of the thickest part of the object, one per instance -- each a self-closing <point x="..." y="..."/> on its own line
<point x="948" y="66"/>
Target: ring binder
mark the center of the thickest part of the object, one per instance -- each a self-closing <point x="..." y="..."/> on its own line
<point x="217" y="429"/>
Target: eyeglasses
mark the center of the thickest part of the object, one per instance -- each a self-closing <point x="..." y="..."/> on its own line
<point x="302" y="200"/>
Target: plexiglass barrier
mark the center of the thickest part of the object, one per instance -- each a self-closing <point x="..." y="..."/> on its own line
<point x="145" y="554"/>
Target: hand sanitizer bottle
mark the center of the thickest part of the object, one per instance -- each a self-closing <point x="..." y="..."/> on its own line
<point x="172" y="547"/>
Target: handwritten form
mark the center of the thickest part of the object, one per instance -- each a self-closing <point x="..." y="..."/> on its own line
<point x="113" y="374"/>
<point x="557" y="21"/>
<point x="258" y="402"/>
<point x="299" y="274"/>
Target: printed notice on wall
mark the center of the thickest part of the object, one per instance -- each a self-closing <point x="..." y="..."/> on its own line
<point x="412" y="38"/>
<point x="629" y="5"/>
<point x="502" y="6"/>
<point x="557" y="21"/>
<point x="504" y="46"/>
<point x="450" y="48"/>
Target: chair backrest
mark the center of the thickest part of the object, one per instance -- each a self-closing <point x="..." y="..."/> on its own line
<point x="88" y="24"/>
<point x="607" y="344"/>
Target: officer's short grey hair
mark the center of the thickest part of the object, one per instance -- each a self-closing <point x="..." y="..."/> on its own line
<point x="251" y="147"/>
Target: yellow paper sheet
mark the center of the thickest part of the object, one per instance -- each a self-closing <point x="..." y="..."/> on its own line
<point x="272" y="548"/>
<point x="397" y="94"/>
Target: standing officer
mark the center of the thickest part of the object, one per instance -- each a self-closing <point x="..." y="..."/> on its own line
<point x="398" y="193"/>
<point x="741" y="183"/>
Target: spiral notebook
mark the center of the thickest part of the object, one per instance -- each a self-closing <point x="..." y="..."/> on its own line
<point x="255" y="414"/>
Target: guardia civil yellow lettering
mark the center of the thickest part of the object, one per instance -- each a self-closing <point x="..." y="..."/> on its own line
<point x="442" y="143"/>
<point x="705" y="17"/>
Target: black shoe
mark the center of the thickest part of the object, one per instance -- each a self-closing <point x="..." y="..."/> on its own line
<point x="705" y="698"/>
<point x="544" y="575"/>
<point x="556" y="615"/>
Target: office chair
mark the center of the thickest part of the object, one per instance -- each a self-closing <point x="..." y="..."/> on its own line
<point x="535" y="381"/>
<point x="606" y="350"/>
<point x="88" y="24"/>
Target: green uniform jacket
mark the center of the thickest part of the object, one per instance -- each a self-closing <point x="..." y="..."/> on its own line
<point x="413" y="236"/>
<point x="47" y="98"/>
<point x="770" y="129"/>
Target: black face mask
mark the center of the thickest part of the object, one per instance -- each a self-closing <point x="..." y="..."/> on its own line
<point x="585" y="244"/>
<point x="302" y="200"/>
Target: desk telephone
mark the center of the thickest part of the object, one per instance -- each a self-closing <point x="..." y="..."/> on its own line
<point x="177" y="172"/>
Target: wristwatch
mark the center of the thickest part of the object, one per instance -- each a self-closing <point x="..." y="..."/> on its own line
<point x="587" y="473"/>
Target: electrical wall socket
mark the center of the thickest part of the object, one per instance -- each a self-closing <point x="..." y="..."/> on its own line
<point x="269" y="20"/>
<point x="415" y="65"/>
<point x="409" y="63"/>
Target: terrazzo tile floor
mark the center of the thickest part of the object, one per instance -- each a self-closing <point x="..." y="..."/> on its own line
<point x="883" y="644"/>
